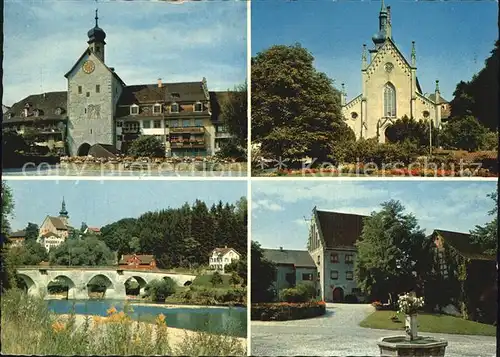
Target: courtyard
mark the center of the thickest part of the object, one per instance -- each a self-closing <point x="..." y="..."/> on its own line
<point x="338" y="333"/>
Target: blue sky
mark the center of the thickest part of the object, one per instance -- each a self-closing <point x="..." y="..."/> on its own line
<point x="102" y="202"/>
<point x="453" y="38"/>
<point x="146" y="40"/>
<point x="279" y="208"/>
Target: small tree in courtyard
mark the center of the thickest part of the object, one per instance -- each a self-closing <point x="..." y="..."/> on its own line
<point x="392" y="253"/>
<point x="147" y="146"/>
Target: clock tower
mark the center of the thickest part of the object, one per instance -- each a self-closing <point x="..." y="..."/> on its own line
<point x="93" y="89"/>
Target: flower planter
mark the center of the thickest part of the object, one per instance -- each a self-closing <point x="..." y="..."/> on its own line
<point x="422" y="347"/>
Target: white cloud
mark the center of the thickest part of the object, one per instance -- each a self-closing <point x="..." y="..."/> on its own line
<point x="266" y="205"/>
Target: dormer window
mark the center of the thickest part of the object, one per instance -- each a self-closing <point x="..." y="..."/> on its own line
<point x="58" y="111"/>
<point x="134" y="109"/>
<point x="157" y="108"/>
<point x="175" y="95"/>
<point x="174" y="108"/>
<point x="36" y="113"/>
<point x="198" y="107"/>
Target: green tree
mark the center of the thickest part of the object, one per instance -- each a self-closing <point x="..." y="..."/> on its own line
<point x="9" y="277"/>
<point x="232" y="149"/>
<point x="147" y="146"/>
<point x="135" y="245"/>
<point x="7" y="208"/>
<point x="479" y="97"/>
<point x="486" y="237"/>
<point x="417" y="132"/>
<point x="90" y="251"/>
<point x="464" y="133"/>
<point x="263" y="275"/>
<point x="296" y="111"/>
<point x="391" y="253"/>
<point x="234" y="114"/>
<point x="12" y="143"/>
<point x="240" y="268"/>
<point x="216" y="279"/>
<point x="234" y="279"/>
<point x="159" y="290"/>
<point x="31" y="232"/>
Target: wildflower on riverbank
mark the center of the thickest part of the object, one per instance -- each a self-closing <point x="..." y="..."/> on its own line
<point x="111" y="310"/>
<point x="58" y="326"/>
<point x="160" y="319"/>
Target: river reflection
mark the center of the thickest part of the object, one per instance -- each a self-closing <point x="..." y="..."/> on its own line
<point x="230" y="321"/>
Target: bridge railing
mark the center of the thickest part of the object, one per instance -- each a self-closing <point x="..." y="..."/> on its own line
<point x="93" y="267"/>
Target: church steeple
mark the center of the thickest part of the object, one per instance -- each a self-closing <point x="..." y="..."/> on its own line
<point x="96" y="38"/>
<point x="63" y="212"/>
<point x="384" y="27"/>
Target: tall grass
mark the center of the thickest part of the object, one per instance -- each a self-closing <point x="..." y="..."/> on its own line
<point x="29" y="328"/>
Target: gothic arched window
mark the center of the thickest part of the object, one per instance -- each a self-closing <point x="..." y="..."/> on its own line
<point x="389" y="100"/>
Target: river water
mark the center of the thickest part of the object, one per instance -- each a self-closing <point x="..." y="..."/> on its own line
<point x="224" y="320"/>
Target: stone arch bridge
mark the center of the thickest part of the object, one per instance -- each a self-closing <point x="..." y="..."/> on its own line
<point x="37" y="279"/>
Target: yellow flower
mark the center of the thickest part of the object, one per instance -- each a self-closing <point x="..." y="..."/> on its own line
<point x="58" y="326"/>
<point x="161" y="318"/>
<point x="111" y="310"/>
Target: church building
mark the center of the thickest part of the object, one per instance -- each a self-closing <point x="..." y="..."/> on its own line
<point x="55" y="230"/>
<point x="390" y="88"/>
<point x="99" y="109"/>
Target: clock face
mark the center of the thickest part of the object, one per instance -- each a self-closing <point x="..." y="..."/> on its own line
<point x="88" y="67"/>
<point x="388" y="67"/>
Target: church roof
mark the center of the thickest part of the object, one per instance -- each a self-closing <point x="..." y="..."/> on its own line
<point x="441" y="99"/>
<point x="47" y="105"/>
<point x="58" y="223"/>
<point x="339" y="229"/>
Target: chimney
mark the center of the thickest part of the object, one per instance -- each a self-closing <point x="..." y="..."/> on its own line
<point x="281" y="249"/>
<point x="225" y="246"/>
<point x="159" y="83"/>
<point x="389" y="14"/>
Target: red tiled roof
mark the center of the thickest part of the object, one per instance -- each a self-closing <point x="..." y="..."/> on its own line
<point x="143" y="258"/>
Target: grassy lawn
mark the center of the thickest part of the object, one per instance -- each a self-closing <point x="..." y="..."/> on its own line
<point x="429" y="323"/>
<point x="204" y="281"/>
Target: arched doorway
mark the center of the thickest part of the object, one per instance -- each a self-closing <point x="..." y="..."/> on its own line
<point x="338" y="295"/>
<point x="134" y="286"/>
<point x="83" y="150"/>
<point x="61" y="286"/>
<point x="98" y="286"/>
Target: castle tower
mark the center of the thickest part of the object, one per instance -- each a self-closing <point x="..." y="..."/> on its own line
<point x="92" y="91"/>
<point x="96" y="39"/>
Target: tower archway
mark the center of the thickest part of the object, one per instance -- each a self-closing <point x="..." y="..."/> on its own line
<point x="83" y="150"/>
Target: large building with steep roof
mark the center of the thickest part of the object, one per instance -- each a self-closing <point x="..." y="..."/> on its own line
<point x="98" y="108"/>
<point x="55" y="230"/>
<point x="390" y="88"/>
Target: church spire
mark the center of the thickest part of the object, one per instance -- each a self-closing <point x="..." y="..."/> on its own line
<point x="413" y="54"/>
<point x="63" y="212"/>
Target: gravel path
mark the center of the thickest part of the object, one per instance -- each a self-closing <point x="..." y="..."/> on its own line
<point x="338" y="333"/>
